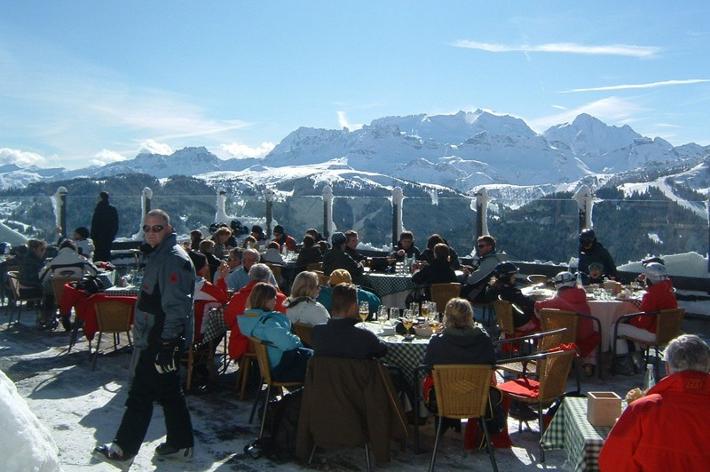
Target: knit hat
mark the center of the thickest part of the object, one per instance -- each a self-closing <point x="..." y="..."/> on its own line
<point x="337" y="239"/>
<point x="339" y="276"/>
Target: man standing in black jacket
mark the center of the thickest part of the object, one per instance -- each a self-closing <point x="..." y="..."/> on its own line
<point x="104" y="226"/>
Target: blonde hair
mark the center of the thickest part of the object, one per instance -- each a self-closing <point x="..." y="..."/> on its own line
<point x="304" y="285"/>
<point x="458" y="314"/>
<point x="340" y="276"/>
<point x="260" y="295"/>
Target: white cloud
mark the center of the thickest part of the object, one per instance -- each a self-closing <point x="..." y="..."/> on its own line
<point x="154" y="147"/>
<point x="610" y="109"/>
<point x="240" y="150"/>
<point x="564" y="48"/>
<point x="559" y="107"/>
<point x="648" y="85"/>
<point x="21" y="158"/>
<point x="106" y="156"/>
<point x="344" y="123"/>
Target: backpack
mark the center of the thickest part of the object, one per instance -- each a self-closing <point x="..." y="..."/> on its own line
<point x="279" y="441"/>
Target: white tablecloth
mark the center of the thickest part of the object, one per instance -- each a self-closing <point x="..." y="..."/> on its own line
<point x="608" y="311"/>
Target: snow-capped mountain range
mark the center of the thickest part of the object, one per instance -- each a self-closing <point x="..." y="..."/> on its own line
<point x="460" y="151"/>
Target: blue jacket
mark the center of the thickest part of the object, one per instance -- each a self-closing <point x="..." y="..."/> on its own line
<point x="273" y="328"/>
<point x="325" y="297"/>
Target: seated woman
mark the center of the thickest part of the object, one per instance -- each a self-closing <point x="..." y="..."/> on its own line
<point x="310" y="253"/>
<point x="288" y="358"/>
<point x="503" y="286"/>
<point x="427" y="254"/>
<point x="301" y="305"/>
<point x="439" y="271"/>
<point x="31" y="286"/>
<point x="659" y="295"/>
<point x="571" y="298"/>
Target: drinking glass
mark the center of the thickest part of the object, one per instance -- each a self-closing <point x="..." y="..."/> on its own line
<point x="364" y="311"/>
<point x="382" y="313"/>
<point x="394" y="313"/>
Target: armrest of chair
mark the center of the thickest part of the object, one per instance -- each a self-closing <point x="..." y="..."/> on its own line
<point x="621" y="320"/>
<point x="594" y="319"/>
<point x="529" y="336"/>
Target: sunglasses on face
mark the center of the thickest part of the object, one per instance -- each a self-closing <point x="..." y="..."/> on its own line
<point x="482" y="245"/>
<point x="153" y="228"/>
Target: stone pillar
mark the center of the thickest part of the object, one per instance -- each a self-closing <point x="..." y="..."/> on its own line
<point x="269" y="197"/>
<point x="481" y="212"/>
<point x="221" y="213"/>
<point x="60" y="210"/>
<point x="397" y="199"/>
<point x="584" y="198"/>
<point x="328" y="224"/>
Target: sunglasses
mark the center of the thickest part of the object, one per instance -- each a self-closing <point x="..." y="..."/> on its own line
<point x="482" y="245"/>
<point x="153" y="228"/>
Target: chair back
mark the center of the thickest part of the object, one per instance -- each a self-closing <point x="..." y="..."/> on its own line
<point x="553" y="370"/>
<point x="504" y="316"/>
<point x="113" y="316"/>
<point x="58" y="284"/>
<point x="304" y="332"/>
<point x="276" y="270"/>
<point x="13" y="278"/>
<point x="668" y="325"/>
<point x="442" y="293"/>
<point x="461" y="389"/>
<point x="537" y="278"/>
<point x="555" y="319"/>
<point x="262" y="357"/>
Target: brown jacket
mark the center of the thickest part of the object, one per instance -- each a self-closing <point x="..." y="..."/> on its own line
<point x="347" y="402"/>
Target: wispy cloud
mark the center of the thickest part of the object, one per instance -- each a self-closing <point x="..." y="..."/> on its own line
<point x="559" y="107"/>
<point x="344" y="123"/>
<point x="647" y="85"/>
<point x="106" y="156"/>
<point x="21" y="158"/>
<point x="154" y="147"/>
<point x="630" y="50"/>
<point x="240" y="150"/>
<point x="610" y="109"/>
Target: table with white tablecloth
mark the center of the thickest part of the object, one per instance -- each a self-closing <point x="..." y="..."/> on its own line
<point x="607" y="312"/>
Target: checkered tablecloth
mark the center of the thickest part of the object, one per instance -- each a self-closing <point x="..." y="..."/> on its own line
<point x="571" y="431"/>
<point x="387" y="284"/>
<point x="213" y="325"/>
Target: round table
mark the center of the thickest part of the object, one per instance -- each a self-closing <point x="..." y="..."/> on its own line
<point x="407" y="355"/>
<point x="392" y="289"/>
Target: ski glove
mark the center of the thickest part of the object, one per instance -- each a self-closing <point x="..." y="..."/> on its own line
<point x="166" y="361"/>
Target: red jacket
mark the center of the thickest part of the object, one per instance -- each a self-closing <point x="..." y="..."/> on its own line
<point x="238" y="343"/>
<point x="658" y="296"/>
<point x="575" y="299"/>
<point x="665" y="431"/>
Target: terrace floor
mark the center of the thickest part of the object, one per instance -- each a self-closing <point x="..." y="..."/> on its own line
<point x="82" y="407"/>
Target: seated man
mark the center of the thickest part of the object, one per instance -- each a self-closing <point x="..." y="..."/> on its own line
<point x="485" y="263"/>
<point x="339" y="276"/>
<point x="351" y="243"/>
<point x="339" y="337"/>
<point x="667" y="429"/>
<point x="405" y="247"/>
<point x="591" y="250"/>
<point x="286" y="241"/>
<point x="338" y="258"/>
<point x="439" y="271"/>
<point x="239" y="277"/>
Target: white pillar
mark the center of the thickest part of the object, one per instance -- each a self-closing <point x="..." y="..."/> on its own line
<point x="397" y="199"/>
<point x="269" y="196"/>
<point x="328" y="224"/>
<point x="221" y="214"/>
<point x="146" y="198"/>
<point x="60" y="210"/>
<point x="584" y="198"/>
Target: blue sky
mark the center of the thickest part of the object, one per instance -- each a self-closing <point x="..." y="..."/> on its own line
<point x="85" y="82"/>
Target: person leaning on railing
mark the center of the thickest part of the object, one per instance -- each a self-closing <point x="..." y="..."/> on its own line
<point x="667" y="429"/>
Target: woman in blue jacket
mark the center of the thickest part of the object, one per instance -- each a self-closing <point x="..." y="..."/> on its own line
<point x="287" y="356"/>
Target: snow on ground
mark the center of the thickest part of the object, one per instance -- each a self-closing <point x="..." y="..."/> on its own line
<point x="687" y="264"/>
<point x="661" y="184"/>
<point x="82" y="407"/>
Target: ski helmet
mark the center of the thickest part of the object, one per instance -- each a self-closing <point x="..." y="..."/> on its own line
<point x="655" y="272"/>
<point x="564" y="279"/>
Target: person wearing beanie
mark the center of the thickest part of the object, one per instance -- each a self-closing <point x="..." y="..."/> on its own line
<point x="342" y="276"/>
<point x="337" y="258"/>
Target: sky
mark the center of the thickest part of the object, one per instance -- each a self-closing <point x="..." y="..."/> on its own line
<point x="85" y="82"/>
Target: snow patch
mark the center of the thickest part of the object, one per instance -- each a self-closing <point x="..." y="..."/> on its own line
<point x="687" y="264"/>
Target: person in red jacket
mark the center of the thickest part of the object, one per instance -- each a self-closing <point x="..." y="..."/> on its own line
<point x="238" y="343"/>
<point x="667" y="429"/>
<point x="574" y="299"/>
<point x="659" y="296"/>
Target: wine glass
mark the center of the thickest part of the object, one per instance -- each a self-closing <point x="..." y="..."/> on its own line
<point x="364" y="311"/>
<point x="407" y="320"/>
<point x="426" y="309"/>
<point x="381" y="313"/>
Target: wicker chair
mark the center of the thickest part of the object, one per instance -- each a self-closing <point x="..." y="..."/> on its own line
<point x="14" y="281"/>
<point x="462" y="392"/>
<point x="668" y="324"/>
<point x="304" y="332"/>
<point x="262" y="357"/>
<point x="538" y="279"/>
<point x="542" y="341"/>
<point x="442" y="293"/>
<point x="112" y="317"/>
<point x="555" y="319"/>
<point x="553" y="369"/>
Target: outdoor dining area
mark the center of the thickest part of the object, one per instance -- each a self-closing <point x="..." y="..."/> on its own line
<point x="328" y="345"/>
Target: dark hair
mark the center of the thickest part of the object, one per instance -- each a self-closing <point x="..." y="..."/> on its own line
<point x="488" y="239"/>
<point x="273" y="245"/>
<point x="441" y="252"/>
<point x="406" y="235"/>
<point x="257" y="229"/>
<point x="82" y="231"/>
<point x="279" y="229"/>
<point x="198" y="260"/>
<point x="344" y="296"/>
<point x="196" y="234"/>
<point x="323" y="245"/>
<point x="308" y="241"/>
<point x="315" y="233"/>
<point x="68" y="243"/>
<point x="433" y="240"/>
<point x="104" y="196"/>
